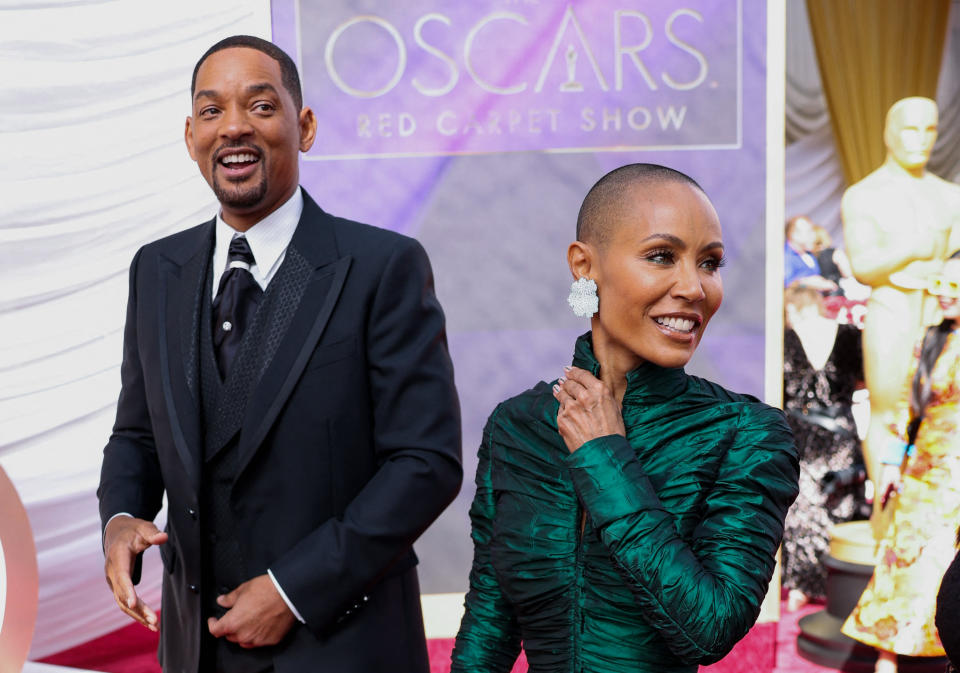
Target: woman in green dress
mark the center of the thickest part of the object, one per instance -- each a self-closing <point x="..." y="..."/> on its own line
<point x="627" y="517"/>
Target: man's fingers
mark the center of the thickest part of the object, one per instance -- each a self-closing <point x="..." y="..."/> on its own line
<point x="126" y="593"/>
<point x="147" y="535"/>
<point x="117" y="571"/>
<point x="228" y="600"/>
<point x="224" y="627"/>
<point x="140" y="612"/>
<point x="145" y="615"/>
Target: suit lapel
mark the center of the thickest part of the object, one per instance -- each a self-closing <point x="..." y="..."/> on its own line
<point x="317" y="264"/>
<point x="182" y="272"/>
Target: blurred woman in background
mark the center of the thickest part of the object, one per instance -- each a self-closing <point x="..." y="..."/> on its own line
<point x="921" y="489"/>
<point x="822" y="366"/>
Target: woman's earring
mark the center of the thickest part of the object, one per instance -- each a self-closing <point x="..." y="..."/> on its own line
<point x="583" y="298"/>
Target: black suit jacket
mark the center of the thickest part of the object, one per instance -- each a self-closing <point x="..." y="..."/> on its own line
<point x="349" y="448"/>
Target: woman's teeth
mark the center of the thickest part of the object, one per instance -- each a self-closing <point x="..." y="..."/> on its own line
<point x="677" y="324"/>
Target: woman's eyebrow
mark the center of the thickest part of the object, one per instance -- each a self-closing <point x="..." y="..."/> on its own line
<point x="679" y="242"/>
<point x="675" y="240"/>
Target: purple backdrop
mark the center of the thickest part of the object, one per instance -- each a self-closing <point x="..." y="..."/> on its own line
<point x="478" y="128"/>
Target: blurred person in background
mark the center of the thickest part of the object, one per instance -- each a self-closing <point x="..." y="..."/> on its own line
<point x="919" y="487"/>
<point x="823" y="365"/>
<point x="800" y="266"/>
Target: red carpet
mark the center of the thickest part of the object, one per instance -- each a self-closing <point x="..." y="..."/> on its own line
<point x="768" y="648"/>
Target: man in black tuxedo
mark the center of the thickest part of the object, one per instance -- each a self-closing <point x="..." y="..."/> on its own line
<point x="286" y="383"/>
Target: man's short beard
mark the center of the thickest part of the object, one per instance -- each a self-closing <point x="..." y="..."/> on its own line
<point x="239" y="197"/>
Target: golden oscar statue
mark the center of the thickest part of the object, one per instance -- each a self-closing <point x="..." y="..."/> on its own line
<point x="897" y="225"/>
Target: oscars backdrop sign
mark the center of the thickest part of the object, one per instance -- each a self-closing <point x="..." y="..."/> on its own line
<point x="437" y="78"/>
<point x="478" y="128"/>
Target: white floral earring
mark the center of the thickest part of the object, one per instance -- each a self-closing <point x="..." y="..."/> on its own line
<point x="583" y="297"/>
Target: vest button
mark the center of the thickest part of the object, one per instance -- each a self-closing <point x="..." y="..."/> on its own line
<point x="192" y="512"/>
<point x="194" y="588"/>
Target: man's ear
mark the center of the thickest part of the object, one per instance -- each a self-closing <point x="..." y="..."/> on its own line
<point x="308" y="128"/>
<point x="581" y="258"/>
<point x="188" y="137"/>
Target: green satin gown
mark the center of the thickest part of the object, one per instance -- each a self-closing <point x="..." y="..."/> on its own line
<point x="683" y="518"/>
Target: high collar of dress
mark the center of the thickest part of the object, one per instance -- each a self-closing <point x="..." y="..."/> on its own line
<point x="647" y="383"/>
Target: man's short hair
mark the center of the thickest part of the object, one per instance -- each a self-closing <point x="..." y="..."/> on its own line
<point x="288" y="69"/>
<point x="802" y="296"/>
<point x="792" y="224"/>
<point x="594" y="219"/>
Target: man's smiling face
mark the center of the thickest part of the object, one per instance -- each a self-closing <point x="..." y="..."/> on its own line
<point x="246" y="133"/>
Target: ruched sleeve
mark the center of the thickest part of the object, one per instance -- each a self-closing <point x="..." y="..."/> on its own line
<point x="703" y="594"/>
<point x="489" y="638"/>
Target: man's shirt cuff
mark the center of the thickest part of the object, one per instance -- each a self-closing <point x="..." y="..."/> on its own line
<point x="103" y="536"/>
<point x="286" y="600"/>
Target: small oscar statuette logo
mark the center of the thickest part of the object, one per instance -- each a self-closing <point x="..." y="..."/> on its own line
<point x="571" y="85"/>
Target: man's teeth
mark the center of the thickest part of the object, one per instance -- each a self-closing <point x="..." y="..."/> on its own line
<point x="678" y="324"/>
<point x="238" y="158"/>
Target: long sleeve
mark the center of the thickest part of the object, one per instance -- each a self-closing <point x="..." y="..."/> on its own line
<point x="130" y="478"/>
<point x="416" y="420"/>
<point x="489" y="638"/>
<point x="702" y="595"/>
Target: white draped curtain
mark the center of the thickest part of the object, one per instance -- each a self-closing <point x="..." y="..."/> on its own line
<point x="814" y="177"/>
<point x="91" y="132"/>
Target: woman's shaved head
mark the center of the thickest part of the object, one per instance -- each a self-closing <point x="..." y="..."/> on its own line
<point x="597" y="213"/>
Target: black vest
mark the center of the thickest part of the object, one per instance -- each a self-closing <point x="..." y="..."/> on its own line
<point x="223" y="405"/>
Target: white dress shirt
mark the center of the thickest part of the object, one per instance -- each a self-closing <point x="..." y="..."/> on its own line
<point x="268" y="240"/>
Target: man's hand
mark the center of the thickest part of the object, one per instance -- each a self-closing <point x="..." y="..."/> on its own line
<point x="124" y="538"/>
<point x="257" y="614"/>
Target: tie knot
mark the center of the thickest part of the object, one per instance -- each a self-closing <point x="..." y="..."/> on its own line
<point x="240" y="252"/>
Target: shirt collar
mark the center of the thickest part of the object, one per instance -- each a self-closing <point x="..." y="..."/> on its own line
<point x="268" y="238"/>
<point x="648" y="382"/>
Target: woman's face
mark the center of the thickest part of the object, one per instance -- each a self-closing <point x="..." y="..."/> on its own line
<point x="950" y="305"/>
<point x="658" y="274"/>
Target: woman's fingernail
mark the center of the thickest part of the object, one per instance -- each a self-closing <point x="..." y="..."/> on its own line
<point x="567" y="368"/>
<point x="561" y="380"/>
<point x="556" y="388"/>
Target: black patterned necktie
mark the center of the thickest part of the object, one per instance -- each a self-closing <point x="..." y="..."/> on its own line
<point x="235" y="303"/>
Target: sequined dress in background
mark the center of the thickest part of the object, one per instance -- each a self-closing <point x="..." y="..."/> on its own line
<point x="819" y="405"/>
